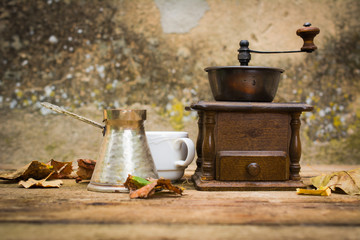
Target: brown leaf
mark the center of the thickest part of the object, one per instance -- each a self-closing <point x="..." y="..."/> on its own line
<point x="86" y="169"/>
<point x="61" y="170"/>
<point x="142" y="188"/>
<point x="348" y="181"/>
<point x="35" y="169"/>
<point x="166" y="184"/>
<point x="144" y="192"/>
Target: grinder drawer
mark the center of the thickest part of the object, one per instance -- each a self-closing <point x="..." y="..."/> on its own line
<point x="252" y="166"/>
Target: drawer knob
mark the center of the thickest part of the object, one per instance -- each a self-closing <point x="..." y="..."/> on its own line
<point x="253" y="169"/>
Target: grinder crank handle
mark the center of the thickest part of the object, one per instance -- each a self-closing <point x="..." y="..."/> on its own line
<point x="308" y="33"/>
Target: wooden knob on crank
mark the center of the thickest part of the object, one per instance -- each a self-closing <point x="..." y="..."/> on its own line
<point x="307" y="33"/>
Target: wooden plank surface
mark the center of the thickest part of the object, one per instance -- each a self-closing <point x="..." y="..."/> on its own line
<point x="76" y="212"/>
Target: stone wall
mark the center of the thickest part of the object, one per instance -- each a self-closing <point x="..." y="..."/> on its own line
<point x="90" y="55"/>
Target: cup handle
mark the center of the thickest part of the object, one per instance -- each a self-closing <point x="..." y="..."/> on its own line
<point x="191" y="152"/>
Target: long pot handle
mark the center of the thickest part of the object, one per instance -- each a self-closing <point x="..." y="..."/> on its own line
<point x="73" y="115"/>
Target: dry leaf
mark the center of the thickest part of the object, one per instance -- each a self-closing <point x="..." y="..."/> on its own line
<point x="40" y="183"/>
<point x="35" y="169"/>
<point x="61" y="170"/>
<point x="133" y="183"/>
<point x="166" y="184"/>
<point x="142" y="188"/>
<point x="144" y="192"/>
<point x="317" y="192"/>
<point x="82" y="170"/>
<point x="348" y="181"/>
<point x="85" y="170"/>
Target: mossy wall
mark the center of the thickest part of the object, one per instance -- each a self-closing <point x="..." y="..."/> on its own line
<point x="90" y="55"/>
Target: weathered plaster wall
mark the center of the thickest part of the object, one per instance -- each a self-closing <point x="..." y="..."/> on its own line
<point x="90" y="55"/>
<point x="106" y="52"/>
<point x="180" y="16"/>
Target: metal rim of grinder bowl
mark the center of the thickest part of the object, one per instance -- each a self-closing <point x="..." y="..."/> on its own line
<point x="244" y="83"/>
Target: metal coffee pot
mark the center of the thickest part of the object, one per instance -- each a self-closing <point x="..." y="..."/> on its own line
<point x="124" y="149"/>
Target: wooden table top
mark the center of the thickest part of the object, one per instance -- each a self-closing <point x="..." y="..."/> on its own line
<point x="72" y="212"/>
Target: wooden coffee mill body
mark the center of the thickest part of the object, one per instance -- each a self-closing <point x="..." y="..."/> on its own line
<point x="249" y="145"/>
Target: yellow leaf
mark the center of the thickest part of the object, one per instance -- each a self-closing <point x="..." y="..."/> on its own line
<point x="317" y="192"/>
<point x="348" y="181"/>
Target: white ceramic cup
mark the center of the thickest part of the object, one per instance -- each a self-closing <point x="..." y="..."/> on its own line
<point x="172" y="152"/>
